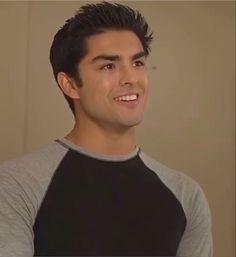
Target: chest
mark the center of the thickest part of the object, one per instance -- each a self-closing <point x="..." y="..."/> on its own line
<point x="108" y="211"/>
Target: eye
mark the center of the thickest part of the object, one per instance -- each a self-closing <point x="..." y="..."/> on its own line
<point x="139" y="63"/>
<point x="108" y="66"/>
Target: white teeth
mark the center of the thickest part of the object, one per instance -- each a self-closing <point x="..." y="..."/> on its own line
<point x="126" y="98"/>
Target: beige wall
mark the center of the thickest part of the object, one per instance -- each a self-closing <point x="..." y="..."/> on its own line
<point x="189" y="124"/>
<point x="13" y="60"/>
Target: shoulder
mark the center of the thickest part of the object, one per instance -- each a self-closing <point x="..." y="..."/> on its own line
<point x="23" y="184"/>
<point x="186" y="189"/>
<point x="36" y="163"/>
<point x="27" y="177"/>
<point x="197" y="238"/>
<point x="174" y="179"/>
<point x="44" y="155"/>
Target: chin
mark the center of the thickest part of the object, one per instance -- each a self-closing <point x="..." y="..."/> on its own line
<point x="132" y="123"/>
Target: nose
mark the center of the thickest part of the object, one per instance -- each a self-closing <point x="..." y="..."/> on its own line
<point x="127" y="76"/>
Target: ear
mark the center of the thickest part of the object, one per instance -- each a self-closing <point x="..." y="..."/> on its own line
<point x="68" y="85"/>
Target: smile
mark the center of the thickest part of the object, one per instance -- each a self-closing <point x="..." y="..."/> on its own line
<point x="127" y="98"/>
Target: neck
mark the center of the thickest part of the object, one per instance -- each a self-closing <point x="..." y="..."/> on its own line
<point x="103" y="141"/>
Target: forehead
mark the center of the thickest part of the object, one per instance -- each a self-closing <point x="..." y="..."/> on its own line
<point x="114" y="42"/>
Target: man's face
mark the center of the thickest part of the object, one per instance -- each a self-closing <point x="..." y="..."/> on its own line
<point x="114" y="79"/>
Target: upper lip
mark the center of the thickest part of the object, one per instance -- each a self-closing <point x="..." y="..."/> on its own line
<point x="128" y="94"/>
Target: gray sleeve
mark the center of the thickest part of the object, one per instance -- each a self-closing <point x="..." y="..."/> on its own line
<point x="197" y="237"/>
<point x="23" y="184"/>
<point x="16" y="235"/>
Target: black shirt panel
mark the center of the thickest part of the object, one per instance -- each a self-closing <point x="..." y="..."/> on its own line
<point x="96" y="208"/>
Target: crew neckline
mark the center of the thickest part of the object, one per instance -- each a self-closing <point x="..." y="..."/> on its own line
<point x="105" y="157"/>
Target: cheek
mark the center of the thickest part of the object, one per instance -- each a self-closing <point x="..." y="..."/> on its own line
<point x="143" y="76"/>
<point x="144" y="81"/>
<point x="100" y="91"/>
<point x="104" y="86"/>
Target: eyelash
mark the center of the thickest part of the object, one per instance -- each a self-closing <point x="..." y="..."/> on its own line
<point x="106" y="67"/>
<point x="140" y="62"/>
<point x="111" y="66"/>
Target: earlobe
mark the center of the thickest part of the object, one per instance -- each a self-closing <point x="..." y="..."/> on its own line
<point x="68" y="85"/>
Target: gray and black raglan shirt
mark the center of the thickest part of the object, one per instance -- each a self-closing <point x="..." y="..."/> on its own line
<point x="64" y="201"/>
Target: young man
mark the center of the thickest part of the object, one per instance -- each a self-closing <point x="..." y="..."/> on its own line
<point x="95" y="192"/>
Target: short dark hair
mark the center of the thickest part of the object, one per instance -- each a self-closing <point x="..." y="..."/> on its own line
<point x="69" y="44"/>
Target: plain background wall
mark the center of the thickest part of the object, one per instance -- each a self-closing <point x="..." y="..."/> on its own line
<point x="189" y="124"/>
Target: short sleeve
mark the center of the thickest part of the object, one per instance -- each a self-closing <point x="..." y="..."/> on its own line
<point x="16" y="234"/>
<point x="197" y="238"/>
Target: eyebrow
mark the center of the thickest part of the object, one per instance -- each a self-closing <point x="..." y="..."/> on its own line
<point x="108" y="57"/>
